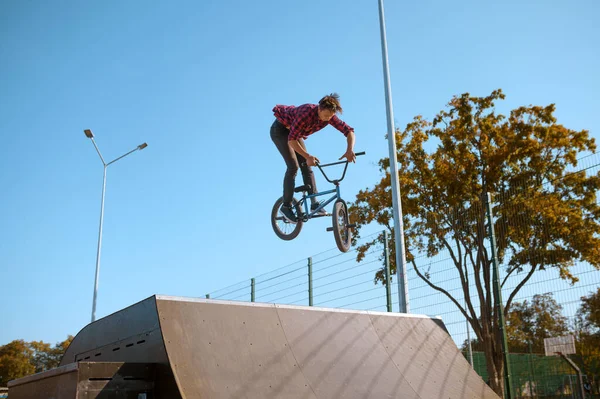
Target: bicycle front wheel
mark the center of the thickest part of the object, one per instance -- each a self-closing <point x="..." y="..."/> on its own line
<point x="341" y="232"/>
<point x="282" y="228"/>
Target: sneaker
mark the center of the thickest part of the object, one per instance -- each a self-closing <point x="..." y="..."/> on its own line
<point x="288" y="213"/>
<point x="322" y="211"/>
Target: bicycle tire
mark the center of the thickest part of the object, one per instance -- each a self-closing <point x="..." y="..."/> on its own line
<point x="284" y="233"/>
<point x="341" y="232"/>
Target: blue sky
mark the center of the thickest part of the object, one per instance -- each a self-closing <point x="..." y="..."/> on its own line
<point x="197" y="82"/>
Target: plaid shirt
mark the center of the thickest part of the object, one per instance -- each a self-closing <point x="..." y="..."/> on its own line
<point x="304" y="120"/>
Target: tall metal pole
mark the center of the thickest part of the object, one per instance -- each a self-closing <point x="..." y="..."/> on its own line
<point x="99" y="246"/>
<point x="388" y="286"/>
<point x="508" y="390"/>
<point x="398" y="223"/>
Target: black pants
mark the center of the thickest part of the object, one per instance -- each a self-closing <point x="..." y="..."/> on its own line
<point x="293" y="161"/>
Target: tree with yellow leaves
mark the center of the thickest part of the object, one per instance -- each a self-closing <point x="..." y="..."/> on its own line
<point x="19" y="358"/>
<point x="546" y="216"/>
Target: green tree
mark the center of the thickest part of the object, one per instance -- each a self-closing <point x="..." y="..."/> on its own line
<point x="15" y="361"/>
<point x="19" y="358"/>
<point x="587" y="323"/>
<point x="588" y="314"/>
<point x="546" y="217"/>
<point x="46" y="357"/>
<point x="40" y="355"/>
<point x="57" y="353"/>
<point x="531" y="322"/>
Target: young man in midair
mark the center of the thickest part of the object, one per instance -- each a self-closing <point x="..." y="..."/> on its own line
<point x="291" y="127"/>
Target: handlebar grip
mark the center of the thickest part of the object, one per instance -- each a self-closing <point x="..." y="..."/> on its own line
<point x="360" y="153"/>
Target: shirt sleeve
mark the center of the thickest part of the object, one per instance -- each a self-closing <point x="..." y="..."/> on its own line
<point x="340" y="125"/>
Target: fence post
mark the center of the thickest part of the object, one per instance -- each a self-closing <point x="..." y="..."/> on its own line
<point x="252" y="289"/>
<point x="531" y="372"/>
<point x="508" y="391"/>
<point x="469" y="347"/>
<point x="310" y="282"/>
<point x="386" y="251"/>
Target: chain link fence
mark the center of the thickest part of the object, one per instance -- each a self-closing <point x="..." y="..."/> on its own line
<point x="541" y="233"/>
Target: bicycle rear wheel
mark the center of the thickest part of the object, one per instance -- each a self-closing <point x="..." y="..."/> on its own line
<point x="341" y="231"/>
<point x="282" y="228"/>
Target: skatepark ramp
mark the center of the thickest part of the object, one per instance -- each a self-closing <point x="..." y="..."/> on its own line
<point x="204" y="348"/>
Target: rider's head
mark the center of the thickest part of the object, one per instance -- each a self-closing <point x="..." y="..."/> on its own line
<point x="329" y="106"/>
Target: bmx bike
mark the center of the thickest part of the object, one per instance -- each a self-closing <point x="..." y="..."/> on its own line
<point x="341" y="226"/>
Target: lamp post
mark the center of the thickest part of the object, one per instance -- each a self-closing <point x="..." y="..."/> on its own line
<point x="90" y="135"/>
<point x="397" y="205"/>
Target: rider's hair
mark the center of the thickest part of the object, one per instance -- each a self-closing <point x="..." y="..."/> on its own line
<point x="331" y="103"/>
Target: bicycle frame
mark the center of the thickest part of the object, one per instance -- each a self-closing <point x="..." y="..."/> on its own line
<point x="305" y="197"/>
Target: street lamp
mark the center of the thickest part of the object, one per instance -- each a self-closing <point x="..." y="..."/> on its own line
<point x="90" y="135"/>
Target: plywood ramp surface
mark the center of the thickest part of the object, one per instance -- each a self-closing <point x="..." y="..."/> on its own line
<point x="245" y="350"/>
<point x="222" y="349"/>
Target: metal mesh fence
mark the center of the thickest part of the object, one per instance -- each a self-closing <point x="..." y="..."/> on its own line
<point x="338" y="281"/>
<point x="542" y="267"/>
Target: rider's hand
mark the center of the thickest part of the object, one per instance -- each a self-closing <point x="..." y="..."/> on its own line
<point x="312" y="161"/>
<point x="349" y="155"/>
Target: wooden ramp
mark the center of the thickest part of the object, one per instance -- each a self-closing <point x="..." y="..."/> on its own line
<point x="222" y="349"/>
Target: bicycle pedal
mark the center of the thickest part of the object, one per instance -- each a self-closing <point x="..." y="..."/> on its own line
<point x="351" y="225"/>
<point x="330" y="229"/>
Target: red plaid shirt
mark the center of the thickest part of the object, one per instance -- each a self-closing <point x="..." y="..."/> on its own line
<point x="304" y="120"/>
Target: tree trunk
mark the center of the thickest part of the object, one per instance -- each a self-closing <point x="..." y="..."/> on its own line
<point x="494" y="362"/>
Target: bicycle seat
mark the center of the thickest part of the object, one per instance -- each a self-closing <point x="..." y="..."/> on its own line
<point x="306" y="187"/>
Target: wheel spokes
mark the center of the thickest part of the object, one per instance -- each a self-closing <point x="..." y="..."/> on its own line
<point x="284" y="226"/>
<point x="342" y="225"/>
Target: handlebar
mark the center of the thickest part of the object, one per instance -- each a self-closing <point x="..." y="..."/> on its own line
<point x="341" y="162"/>
<point x="336" y="181"/>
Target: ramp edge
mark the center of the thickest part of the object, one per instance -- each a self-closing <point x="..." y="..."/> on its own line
<point x="68" y="368"/>
<point x="296" y="307"/>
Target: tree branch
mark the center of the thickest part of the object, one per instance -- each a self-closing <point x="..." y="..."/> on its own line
<point x="484" y="259"/>
<point x="439" y="289"/>
<point x="474" y="321"/>
<point x="516" y="290"/>
<point x="508" y="275"/>
<point x="464" y="275"/>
